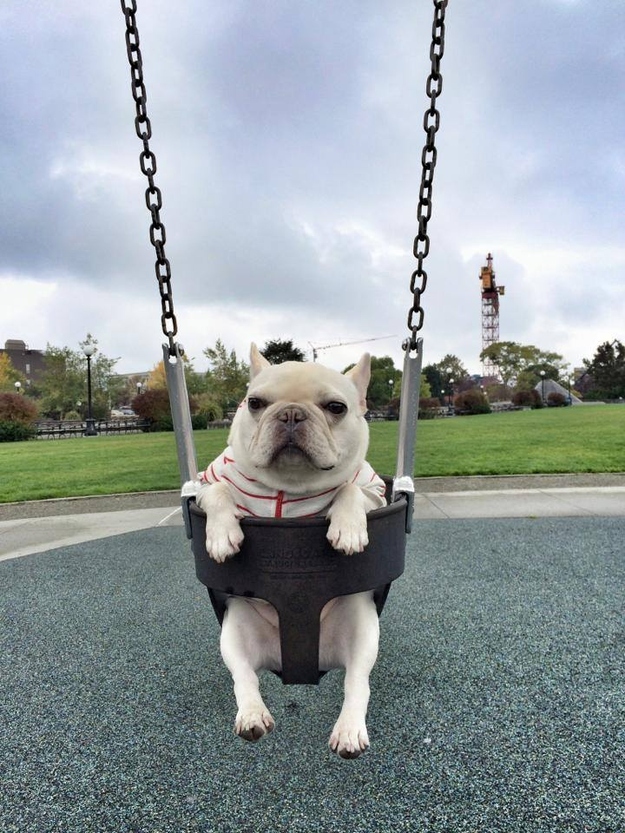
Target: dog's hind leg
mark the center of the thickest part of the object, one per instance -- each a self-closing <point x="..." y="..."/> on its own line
<point x="349" y="639"/>
<point x="249" y="642"/>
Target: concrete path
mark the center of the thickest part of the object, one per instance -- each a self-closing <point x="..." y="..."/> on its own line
<point x="43" y="525"/>
<point x="523" y="503"/>
<point x="31" y="535"/>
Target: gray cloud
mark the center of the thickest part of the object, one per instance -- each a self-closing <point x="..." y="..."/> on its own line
<point x="288" y="139"/>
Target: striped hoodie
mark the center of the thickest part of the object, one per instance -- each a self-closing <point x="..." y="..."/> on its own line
<point x="255" y="499"/>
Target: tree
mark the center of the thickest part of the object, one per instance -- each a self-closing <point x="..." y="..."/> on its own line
<point x="508" y="358"/>
<point x="196" y="382"/>
<point x="607" y="370"/>
<point x="63" y="386"/>
<point x="425" y="397"/>
<point x="157" y="378"/>
<point x="450" y="367"/>
<point x="520" y="364"/>
<point x="227" y="377"/>
<point x="385" y="381"/>
<point x="152" y="404"/>
<point x="154" y="408"/>
<point x="63" y="383"/>
<point x="434" y="378"/>
<point x="439" y="376"/>
<point x="9" y="375"/>
<point x="278" y="351"/>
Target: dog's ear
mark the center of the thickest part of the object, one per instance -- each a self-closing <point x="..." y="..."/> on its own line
<point x="257" y="361"/>
<point x="360" y="375"/>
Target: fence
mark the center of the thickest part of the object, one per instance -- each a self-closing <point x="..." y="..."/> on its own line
<point x="64" y="429"/>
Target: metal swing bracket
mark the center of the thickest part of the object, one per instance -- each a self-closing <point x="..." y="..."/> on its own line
<point x="183" y="428"/>
<point x="403" y="482"/>
<point x="188" y="494"/>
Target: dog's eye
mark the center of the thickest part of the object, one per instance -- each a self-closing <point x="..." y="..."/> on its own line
<point x="336" y="408"/>
<point x="255" y="404"/>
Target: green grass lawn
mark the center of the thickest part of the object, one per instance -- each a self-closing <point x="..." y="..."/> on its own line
<point x="553" y="440"/>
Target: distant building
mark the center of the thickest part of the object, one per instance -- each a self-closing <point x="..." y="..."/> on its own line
<point x="30" y="363"/>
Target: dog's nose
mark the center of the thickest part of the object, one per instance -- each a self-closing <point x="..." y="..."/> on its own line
<point x="292" y="415"/>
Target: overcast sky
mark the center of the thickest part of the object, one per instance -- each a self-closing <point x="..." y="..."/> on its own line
<point x="288" y="137"/>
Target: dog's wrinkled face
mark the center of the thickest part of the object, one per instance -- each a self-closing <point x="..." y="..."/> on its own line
<point x="301" y="426"/>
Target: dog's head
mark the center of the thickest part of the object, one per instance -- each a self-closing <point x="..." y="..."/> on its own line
<point x="301" y="426"/>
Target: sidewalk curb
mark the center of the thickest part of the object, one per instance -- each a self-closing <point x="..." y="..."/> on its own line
<point x="166" y="498"/>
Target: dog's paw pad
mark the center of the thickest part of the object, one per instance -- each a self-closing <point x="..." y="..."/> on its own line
<point x="253" y="725"/>
<point x="349" y="741"/>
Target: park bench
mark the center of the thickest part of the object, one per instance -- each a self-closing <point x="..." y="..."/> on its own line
<point x="63" y="429"/>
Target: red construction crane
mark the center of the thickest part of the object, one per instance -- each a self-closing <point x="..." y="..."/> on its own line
<point x="490" y="312"/>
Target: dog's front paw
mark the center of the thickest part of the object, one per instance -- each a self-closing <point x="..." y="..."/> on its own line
<point x="348" y="535"/>
<point x="349" y="740"/>
<point x="223" y="539"/>
<point x="223" y="530"/>
<point x="254" y="724"/>
<point x="348" y="520"/>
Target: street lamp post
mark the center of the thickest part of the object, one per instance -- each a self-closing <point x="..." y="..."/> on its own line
<point x="90" y="430"/>
<point x="542" y="379"/>
<point x="391" y="391"/>
<point x="450" y="392"/>
<point x="18" y="387"/>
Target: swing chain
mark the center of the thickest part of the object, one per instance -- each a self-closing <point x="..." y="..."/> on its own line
<point x="147" y="162"/>
<point x="431" y="123"/>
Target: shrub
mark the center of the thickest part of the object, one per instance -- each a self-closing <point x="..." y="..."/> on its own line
<point x="428" y="407"/>
<point x="15" y="407"/>
<point x="208" y="408"/>
<point x="471" y="402"/>
<point x="392" y="409"/>
<point x="556" y="400"/>
<point x="17" y="417"/>
<point x="153" y="407"/>
<point x="525" y="398"/>
<point x="14" y="432"/>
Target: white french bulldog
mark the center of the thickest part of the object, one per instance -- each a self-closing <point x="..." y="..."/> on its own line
<point x="297" y="447"/>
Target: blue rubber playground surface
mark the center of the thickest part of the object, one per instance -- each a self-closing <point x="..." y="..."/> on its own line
<point x="498" y="701"/>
